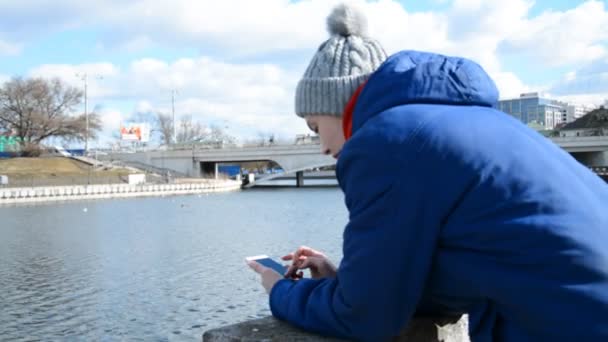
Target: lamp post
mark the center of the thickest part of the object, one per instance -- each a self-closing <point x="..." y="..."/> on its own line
<point x="173" y="92"/>
<point x="85" y="77"/>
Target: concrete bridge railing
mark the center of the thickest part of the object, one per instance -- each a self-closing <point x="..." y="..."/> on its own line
<point x="582" y="144"/>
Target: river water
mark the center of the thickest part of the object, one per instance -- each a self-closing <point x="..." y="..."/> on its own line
<point x="153" y="269"/>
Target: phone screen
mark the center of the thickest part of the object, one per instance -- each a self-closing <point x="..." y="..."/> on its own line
<point x="272" y="264"/>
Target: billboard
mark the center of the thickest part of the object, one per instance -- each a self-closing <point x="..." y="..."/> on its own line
<point x="9" y="143"/>
<point x="135" y="132"/>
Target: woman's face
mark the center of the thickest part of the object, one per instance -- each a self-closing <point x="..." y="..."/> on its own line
<point x="329" y="129"/>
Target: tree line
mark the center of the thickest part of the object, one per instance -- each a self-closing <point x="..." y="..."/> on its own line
<point x="33" y="110"/>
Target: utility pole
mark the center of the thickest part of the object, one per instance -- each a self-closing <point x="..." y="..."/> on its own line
<point x="86" y="116"/>
<point x="173" y="112"/>
<point x="85" y="77"/>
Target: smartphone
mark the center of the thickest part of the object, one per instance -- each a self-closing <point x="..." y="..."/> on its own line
<point x="268" y="262"/>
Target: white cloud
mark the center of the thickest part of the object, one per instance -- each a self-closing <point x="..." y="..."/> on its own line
<point x="27" y="19"/>
<point x="586" y="85"/>
<point x="476" y="28"/>
<point x="244" y="26"/>
<point x="95" y="73"/>
<point x="247" y="98"/>
<point x="562" y="38"/>
<point x="252" y="96"/>
<point x="510" y="85"/>
<point x="71" y="72"/>
<point x="209" y="78"/>
<point x="137" y="43"/>
<point x="144" y="107"/>
<point x="398" y="29"/>
<point x="9" y="49"/>
<point x="585" y="99"/>
<point x="591" y="79"/>
<point x="239" y="25"/>
<point x="111" y="119"/>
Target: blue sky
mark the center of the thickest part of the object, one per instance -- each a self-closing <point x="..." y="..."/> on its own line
<point x="239" y="68"/>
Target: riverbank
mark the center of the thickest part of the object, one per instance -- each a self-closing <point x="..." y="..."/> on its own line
<point x="111" y="191"/>
<point x="60" y="171"/>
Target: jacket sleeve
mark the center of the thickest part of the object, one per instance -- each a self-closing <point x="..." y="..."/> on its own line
<point x="388" y="249"/>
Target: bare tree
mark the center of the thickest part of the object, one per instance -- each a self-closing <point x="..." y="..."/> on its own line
<point x="188" y="130"/>
<point x="267" y="139"/>
<point x="218" y="137"/>
<point x="164" y="124"/>
<point x="191" y="131"/>
<point x="261" y="139"/>
<point x="35" y="109"/>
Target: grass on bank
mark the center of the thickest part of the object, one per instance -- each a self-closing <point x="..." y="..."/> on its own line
<point x="57" y="171"/>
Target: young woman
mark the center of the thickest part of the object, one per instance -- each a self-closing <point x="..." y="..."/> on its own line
<point x="453" y="205"/>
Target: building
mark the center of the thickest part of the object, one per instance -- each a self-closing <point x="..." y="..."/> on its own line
<point x="575" y="112"/>
<point x="594" y="123"/>
<point x="532" y="108"/>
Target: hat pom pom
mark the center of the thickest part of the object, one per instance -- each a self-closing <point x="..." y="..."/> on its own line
<point x="347" y="20"/>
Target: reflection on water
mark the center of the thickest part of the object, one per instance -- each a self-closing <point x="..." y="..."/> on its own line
<point x="152" y="269"/>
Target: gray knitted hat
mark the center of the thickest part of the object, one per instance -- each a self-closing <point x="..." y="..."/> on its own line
<point x="340" y="66"/>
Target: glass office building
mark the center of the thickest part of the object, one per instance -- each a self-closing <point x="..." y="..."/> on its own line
<point x="532" y="108"/>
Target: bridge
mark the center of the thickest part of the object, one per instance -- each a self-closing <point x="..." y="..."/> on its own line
<point x="202" y="162"/>
<point x="582" y="144"/>
<point x="591" y="151"/>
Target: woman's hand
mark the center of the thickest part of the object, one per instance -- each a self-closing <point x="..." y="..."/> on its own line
<point x="308" y="258"/>
<point x="269" y="276"/>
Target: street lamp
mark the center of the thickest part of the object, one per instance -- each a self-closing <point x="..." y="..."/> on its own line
<point x="85" y="77"/>
<point x="173" y="92"/>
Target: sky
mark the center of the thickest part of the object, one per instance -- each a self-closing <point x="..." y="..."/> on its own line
<point x="235" y="63"/>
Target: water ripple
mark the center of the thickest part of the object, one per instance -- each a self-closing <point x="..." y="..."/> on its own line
<point x="144" y="269"/>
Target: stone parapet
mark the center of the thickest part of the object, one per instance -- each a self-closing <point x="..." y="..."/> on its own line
<point x="269" y="329"/>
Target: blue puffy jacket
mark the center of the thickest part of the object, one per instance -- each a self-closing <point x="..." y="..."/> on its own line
<point x="457" y="207"/>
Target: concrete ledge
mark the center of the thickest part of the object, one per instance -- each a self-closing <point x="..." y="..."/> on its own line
<point x="269" y="329"/>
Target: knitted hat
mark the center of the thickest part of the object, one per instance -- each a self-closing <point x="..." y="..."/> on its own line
<point x="340" y="66"/>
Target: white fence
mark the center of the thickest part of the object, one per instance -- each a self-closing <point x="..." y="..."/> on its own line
<point x="79" y="192"/>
